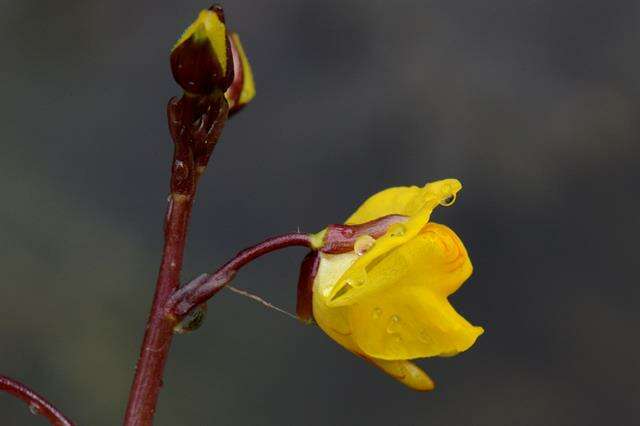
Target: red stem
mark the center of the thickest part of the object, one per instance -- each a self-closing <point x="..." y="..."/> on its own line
<point x="205" y="286"/>
<point x="37" y="404"/>
<point x="159" y="331"/>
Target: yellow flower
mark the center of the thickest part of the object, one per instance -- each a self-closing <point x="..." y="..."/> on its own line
<point x="386" y="300"/>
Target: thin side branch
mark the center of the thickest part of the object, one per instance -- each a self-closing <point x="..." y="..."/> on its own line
<point x="206" y="286"/>
<point x="37" y="404"/>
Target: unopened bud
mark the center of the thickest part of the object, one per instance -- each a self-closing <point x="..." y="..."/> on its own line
<point x="201" y="60"/>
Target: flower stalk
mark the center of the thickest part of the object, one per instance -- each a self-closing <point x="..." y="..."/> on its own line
<point x="195" y="124"/>
<point x="204" y="287"/>
<point x="159" y="330"/>
<point x="203" y="64"/>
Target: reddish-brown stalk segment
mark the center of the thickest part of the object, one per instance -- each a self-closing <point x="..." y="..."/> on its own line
<point x="159" y="330"/>
<point x="195" y="124"/>
<point x="203" y="288"/>
<point x="37" y="404"/>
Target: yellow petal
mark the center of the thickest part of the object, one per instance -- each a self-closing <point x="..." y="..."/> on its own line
<point x="404" y="200"/>
<point x="406" y="372"/>
<point x="437" y="256"/>
<point x="407" y="322"/>
<point x="418" y="203"/>
<point x="333" y="321"/>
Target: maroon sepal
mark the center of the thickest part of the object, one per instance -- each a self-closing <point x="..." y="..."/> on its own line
<point x="340" y="238"/>
<point x="196" y="68"/>
<point x="308" y="271"/>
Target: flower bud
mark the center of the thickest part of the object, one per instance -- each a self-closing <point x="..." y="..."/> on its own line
<point x="201" y="60"/>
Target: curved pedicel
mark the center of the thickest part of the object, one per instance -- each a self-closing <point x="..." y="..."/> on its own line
<point x="37" y="404"/>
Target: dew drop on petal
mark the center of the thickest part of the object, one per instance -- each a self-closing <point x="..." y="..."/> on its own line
<point x="34" y="408"/>
<point x="363" y="244"/>
<point x="376" y="313"/>
<point x="396" y="230"/>
<point x="357" y="279"/>
<point x="358" y="283"/>
<point x="448" y="201"/>
<point x="424" y="336"/>
<point x="192" y="321"/>
<point x="394" y="324"/>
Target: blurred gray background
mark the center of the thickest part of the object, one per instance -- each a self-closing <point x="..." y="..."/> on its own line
<point x="534" y="105"/>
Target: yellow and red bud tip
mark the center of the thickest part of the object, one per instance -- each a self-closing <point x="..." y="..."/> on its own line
<point x="201" y="60"/>
<point x="242" y="89"/>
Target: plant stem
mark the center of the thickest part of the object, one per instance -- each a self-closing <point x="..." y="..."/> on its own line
<point x="195" y="125"/>
<point x="37" y="404"/>
<point x="206" y="286"/>
<point x="158" y="334"/>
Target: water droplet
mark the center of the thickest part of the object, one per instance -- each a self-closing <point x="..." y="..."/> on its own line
<point x="376" y="313"/>
<point x="180" y="170"/>
<point x="394" y="324"/>
<point x="448" y="201"/>
<point x="34" y="409"/>
<point x="425" y="336"/>
<point x="358" y="282"/>
<point x="363" y="244"/>
<point x="397" y="230"/>
<point x="192" y="321"/>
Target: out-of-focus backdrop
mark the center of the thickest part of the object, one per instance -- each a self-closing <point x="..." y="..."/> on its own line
<point x="534" y="105"/>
